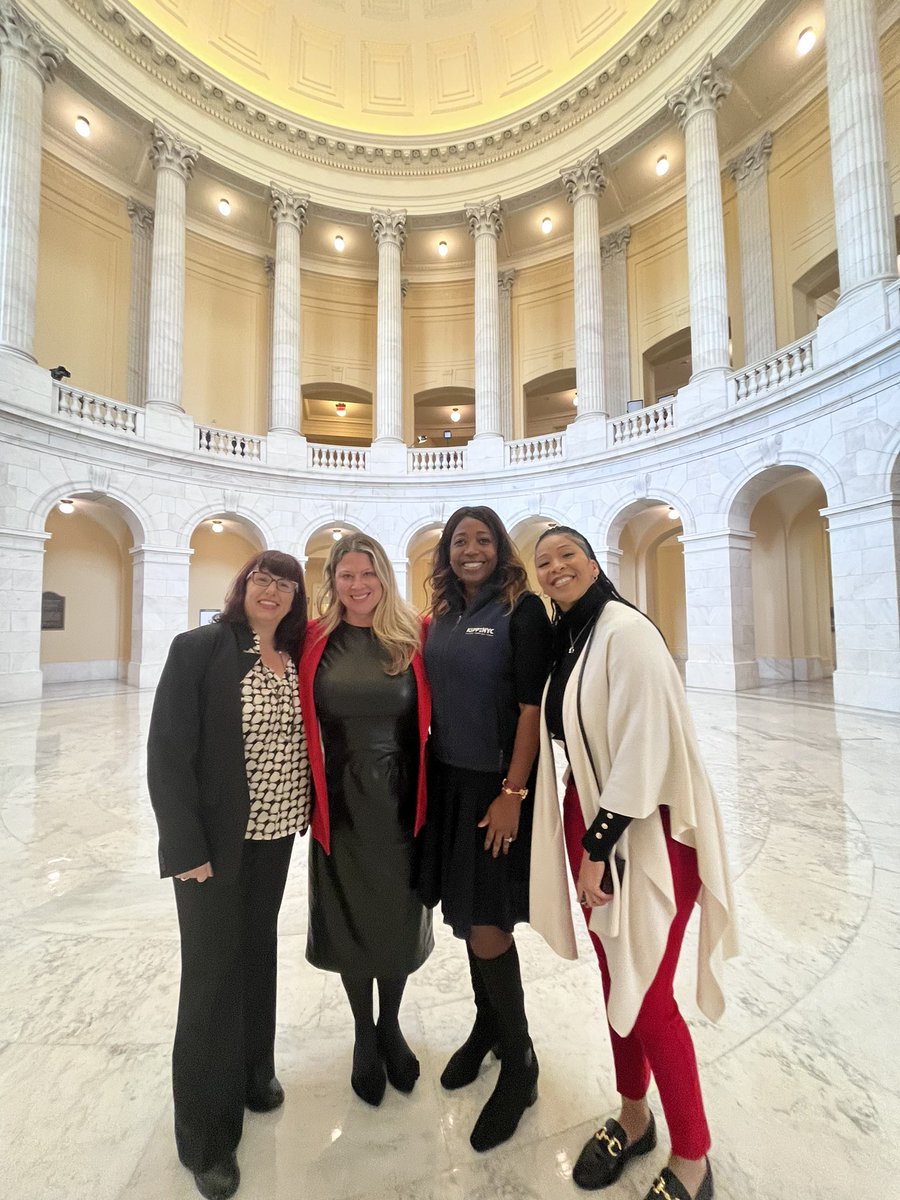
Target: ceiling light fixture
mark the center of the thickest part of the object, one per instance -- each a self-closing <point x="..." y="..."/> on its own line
<point x="806" y="41"/>
<point x="83" y="127"/>
<point x="421" y="439"/>
<point x="575" y="400"/>
<point x="546" y="225"/>
<point x="336" y="535"/>
<point x="66" y="506"/>
<point x="674" y="514"/>
<point x="339" y="243"/>
<point x="662" y="166"/>
<point x="455" y="416"/>
<point x="217" y="526"/>
<point x="341" y="408"/>
<point x="442" y="249"/>
<point x="224" y="207"/>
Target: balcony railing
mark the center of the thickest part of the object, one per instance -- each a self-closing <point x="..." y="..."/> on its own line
<point x="224" y="443"/>
<point x="658" y="418"/>
<point x="98" y="411"/>
<point x="435" y="462"/>
<point x="789" y="364"/>
<point x="548" y="448"/>
<point x="337" y="458"/>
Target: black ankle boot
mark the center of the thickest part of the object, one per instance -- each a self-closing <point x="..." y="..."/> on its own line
<point x="368" y="1078"/>
<point x="401" y="1064"/>
<point x="465" y="1063"/>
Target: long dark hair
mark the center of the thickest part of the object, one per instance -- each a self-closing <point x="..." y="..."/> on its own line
<point x="509" y="578"/>
<point x="602" y="583"/>
<point x="292" y="627"/>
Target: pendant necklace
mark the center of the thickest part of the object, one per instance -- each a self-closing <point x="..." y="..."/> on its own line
<point x="574" y="640"/>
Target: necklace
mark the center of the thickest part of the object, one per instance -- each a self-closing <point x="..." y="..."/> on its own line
<point x="574" y="640"/>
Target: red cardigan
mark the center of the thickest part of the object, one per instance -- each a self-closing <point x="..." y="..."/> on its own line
<point x="313" y="649"/>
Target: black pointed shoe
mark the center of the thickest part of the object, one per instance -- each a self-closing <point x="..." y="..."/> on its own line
<point x="464" y="1064"/>
<point x="400" y="1063"/>
<point x="221" y="1181"/>
<point x="667" y="1186"/>
<point x="608" y="1152"/>
<point x="516" y="1090"/>
<point x="265" y="1097"/>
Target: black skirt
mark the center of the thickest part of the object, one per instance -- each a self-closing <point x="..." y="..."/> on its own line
<point x="473" y="887"/>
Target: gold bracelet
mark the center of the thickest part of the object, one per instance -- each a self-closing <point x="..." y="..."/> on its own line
<point x="508" y="791"/>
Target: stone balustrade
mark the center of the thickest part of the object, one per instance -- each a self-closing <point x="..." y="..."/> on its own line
<point x="225" y="443"/>
<point x="777" y="371"/>
<point x="646" y="422"/>
<point x="98" y="411"/>
<point x="435" y="462"/>
<point x="527" y="451"/>
<point x="352" y="459"/>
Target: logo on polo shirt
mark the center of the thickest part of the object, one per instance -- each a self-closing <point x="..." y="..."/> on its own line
<point x="480" y="631"/>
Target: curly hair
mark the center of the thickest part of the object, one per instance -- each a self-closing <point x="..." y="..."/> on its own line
<point x="292" y="627"/>
<point x="509" y="578"/>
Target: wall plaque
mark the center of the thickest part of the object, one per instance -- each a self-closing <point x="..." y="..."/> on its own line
<point x="53" y="611"/>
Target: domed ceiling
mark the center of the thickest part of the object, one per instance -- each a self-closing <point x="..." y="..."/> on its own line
<point x="395" y="67"/>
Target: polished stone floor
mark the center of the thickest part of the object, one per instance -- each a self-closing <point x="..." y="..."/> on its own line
<point x="802" y="1076"/>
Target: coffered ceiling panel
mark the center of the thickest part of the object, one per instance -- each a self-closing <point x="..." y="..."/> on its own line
<point x="387" y="78"/>
<point x="317" y="64"/>
<point x="453" y="74"/>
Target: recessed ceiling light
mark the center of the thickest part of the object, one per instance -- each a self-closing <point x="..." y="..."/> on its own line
<point x="546" y="225"/>
<point x="66" y="506"/>
<point x="442" y="249"/>
<point x="662" y="166"/>
<point x="224" y="207"/>
<point x="217" y="526"/>
<point x="339" y="243"/>
<point x="336" y="535"/>
<point x="82" y="127"/>
<point x="806" y="41"/>
<point x="455" y="415"/>
<point x="340" y="408"/>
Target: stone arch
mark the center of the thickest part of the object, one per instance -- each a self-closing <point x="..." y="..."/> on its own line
<point x="753" y="482"/>
<point x="209" y="512"/>
<point x="619" y="514"/>
<point x="131" y="513"/>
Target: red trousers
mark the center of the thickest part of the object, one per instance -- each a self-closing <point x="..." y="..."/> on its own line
<point x="660" y="1041"/>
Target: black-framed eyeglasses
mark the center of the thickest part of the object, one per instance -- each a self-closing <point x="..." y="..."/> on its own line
<point x="262" y="579"/>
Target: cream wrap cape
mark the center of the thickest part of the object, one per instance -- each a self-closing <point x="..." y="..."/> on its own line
<point x="643" y="745"/>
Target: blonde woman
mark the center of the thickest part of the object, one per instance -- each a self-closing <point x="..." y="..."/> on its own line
<point x="367" y="709"/>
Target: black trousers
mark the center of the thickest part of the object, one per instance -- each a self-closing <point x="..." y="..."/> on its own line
<point x="225" y="1036"/>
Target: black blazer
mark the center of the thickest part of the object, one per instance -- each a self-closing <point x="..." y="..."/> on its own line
<point x="195" y="751"/>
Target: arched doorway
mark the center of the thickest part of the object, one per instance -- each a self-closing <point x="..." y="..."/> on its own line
<point x="420" y="555"/>
<point x="317" y="547"/>
<point x="444" y="416"/>
<point x="651" y="571"/>
<point x="525" y="535"/>
<point x="550" y="402"/>
<point x="221" y="544"/>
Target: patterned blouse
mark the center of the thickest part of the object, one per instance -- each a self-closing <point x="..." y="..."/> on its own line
<point x="275" y="753"/>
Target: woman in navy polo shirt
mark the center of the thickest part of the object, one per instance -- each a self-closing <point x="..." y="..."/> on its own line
<point x="487" y="657"/>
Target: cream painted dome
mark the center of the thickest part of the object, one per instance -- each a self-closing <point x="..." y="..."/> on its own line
<point x="398" y="67"/>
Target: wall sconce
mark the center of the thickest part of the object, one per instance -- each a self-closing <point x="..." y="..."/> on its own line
<point x="340" y="408"/>
<point x="336" y="535"/>
<point x="442" y="249"/>
<point x="546" y="225"/>
<point x="662" y="166"/>
<point x="339" y="243"/>
<point x="66" y="506"/>
<point x="217" y="526"/>
<point x="83" y="125"/>
<point x="673" y="514"/>
<point x="455" y="416"/>
<point x="806" y="41"/>
<point x="224" y="207"/>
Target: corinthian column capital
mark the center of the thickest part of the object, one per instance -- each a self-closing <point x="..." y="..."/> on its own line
<point x="615" y="243"/>
<point x="586" y="178"/>
<point x="288" y="207"/>
<point x="141" y="218"/>
<point x="389" y="226"/>
<point x="505" y="280"/>
<point x="703" y="91"/>
<point x="485" y="217"/>
<point x="22" y="38"/>
<point x="172" y="152"/>
<point x="753" y="162"/>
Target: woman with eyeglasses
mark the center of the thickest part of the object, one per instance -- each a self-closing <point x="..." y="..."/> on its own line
<point x="643" y="837"/>
<point x="367" y="707"/>
<point x="228" y="774"/>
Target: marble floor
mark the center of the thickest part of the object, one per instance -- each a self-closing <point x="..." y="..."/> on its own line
<point x="802" y="1075"/>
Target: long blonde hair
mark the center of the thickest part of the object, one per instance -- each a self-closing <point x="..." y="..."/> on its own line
<point x="395" y="623"/>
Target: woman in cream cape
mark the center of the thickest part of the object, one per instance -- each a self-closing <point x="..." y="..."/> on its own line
<point x="644" y="840"/>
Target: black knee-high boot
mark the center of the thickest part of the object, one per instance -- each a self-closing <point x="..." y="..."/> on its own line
<point x="516" y="1087"/>
<point x="465" y="1063"/>
<point x="367" y="1078"/>
<point x="401" y="1064"/>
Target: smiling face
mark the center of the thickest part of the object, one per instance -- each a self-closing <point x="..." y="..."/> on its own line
<point x="358" y="588"/>
<point x="266" y="605"/>
<point x="563" y="569"/>
<point x="473" y="554"/>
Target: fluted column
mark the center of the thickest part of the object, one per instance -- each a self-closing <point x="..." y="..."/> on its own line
<point x="863" y="211"/>
<point x="695" y="107"/>
<point x="288" y="211"/>
<point x="389" y="231"/>
<point x="173" y="161"/>
<point x="584" y="184"/>
<point x="616" y="348"/>
<point x="28" y="59"/>
<point x="139" y="311"/>
<point x="750" y="172"/>
<point x="485" y="225"/>
<point x="505" y="282"/>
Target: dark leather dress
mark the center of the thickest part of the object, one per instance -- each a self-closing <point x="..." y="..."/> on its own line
<point x="364" y="917"/>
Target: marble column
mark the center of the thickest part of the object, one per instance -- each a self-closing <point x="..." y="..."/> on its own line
<point x="750" y="172"/>
<point x="719" y="603"/>
<point x="584" y="184"/>
<point x="28" y="60"/>
<point x="389" y="231"/>
<point x="173" y="161"/>
<point x="159" y="609"/>
<point x="863" y="208"/>
<point x="695" y="107"/>
<point x="507" y="421"/>
<point x="288" y="211"/>
<point x="21" y="585"/>
<point x="139" y="311"/>
<point x="864" y="540"/>
<point x="485" y="225"/>
<point x="616" y="346"/>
